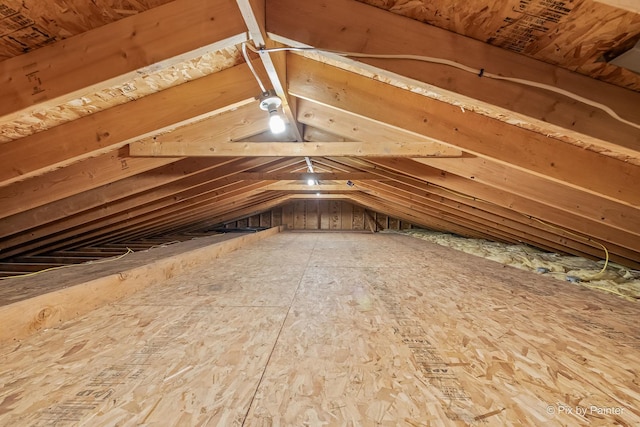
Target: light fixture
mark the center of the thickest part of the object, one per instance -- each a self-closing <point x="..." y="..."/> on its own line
<point x="310" y="182"/>
<point x="270" y="102"/>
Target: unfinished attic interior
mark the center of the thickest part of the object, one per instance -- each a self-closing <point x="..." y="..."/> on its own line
<point x="209" y="211"/>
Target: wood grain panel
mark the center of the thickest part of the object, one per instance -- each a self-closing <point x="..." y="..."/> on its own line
<point x="357" y="329"/>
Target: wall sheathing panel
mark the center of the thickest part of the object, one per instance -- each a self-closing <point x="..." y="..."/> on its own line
<point x="320" y="215"/>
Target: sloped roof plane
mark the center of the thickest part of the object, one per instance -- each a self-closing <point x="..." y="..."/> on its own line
<point x="121" y="122"/>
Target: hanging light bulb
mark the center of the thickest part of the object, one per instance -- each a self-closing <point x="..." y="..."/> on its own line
<point x="310" y="182"/>
<point x="276" y="124"/>
<point x="270" y="102"/>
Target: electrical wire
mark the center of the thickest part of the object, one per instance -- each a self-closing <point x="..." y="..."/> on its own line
<point x="479" y="72"/>
<point x="129" y="251"/>
<point x="604" y="248"/>
<point x="248" y="61"/>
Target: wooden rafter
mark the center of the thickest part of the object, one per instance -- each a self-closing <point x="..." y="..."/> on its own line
<point x="498" y="223"/>
<point x="353" y="26"/>
<point x="122" y="213"/>
<point x="513" y="164"/>
<point x="117" y="126"/>
<point x="471" y="132"/>
<point x="513" y="201"/>
<point x="442" y="186"/>
<point x="558" y="195"/>
<point x="305" y="176"/>
<point x="185" y="173"/>
<point x="161" y="37"/>
<point x="85" y="175"/>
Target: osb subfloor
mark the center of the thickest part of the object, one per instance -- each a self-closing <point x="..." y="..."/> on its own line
<point x="336" y="329"/>
<point x="20" y="288"/>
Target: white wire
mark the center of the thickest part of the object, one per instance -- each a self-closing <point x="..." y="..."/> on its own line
<point x="248" y="61"/>
<point x="478" y="72"/>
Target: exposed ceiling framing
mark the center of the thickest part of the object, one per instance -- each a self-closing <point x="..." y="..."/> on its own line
<point x="132" y="122"/>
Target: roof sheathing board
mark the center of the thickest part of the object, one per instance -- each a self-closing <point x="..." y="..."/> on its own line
<point x="26" y="25"/>
<point x="146" y="83"/>
<point x="575" y="35"/>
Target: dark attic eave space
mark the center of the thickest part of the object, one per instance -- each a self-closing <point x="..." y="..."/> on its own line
<point x="144" y="123"/>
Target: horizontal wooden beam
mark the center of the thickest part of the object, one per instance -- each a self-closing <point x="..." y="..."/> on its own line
<point x="348" y="25"/>
<point x="212" y="137"/>
<point x="328" y="196"/>
<point x="164" y="146"/>
<point x="117" y="126"/>
<point x="341" y="187"/>
<point x="304" y="176"/>
<point x="474" y="133"/>
<point x="160" y="37"/>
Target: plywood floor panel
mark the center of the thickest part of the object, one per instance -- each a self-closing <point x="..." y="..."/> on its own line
<point x="336" y="329"/>
<point x="21" y="288"/>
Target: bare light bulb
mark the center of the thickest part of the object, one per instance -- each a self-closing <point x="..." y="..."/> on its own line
<point x="310" y="182"/>
<point x="270" y="102"/>
<point x="276" y="124"/>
